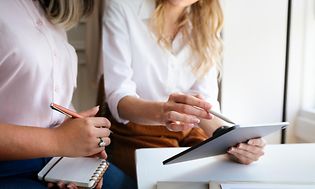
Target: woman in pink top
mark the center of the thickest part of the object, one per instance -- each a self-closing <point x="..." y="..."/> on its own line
<point x="37" y="67"/>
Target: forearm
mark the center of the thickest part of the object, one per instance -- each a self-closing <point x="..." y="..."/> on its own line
<point x="22" y="142"/>
<point x="140" y="111"/>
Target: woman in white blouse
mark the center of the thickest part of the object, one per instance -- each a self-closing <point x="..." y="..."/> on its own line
<point x="161" y="60"/>
<point x="37" y="67"/>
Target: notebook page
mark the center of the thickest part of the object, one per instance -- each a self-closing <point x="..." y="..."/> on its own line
<point x="77" y="170"/>
<point x="267" y="186"/>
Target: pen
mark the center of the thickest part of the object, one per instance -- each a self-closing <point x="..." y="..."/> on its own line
<point x="66" y="111"/>
<point x="221" y="116"/>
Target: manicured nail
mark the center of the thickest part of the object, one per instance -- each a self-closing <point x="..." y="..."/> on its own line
<point x="196" y="120"/>
<point x="230" y="150"/>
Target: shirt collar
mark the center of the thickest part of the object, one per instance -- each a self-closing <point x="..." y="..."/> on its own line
<point x="146" y="9"/>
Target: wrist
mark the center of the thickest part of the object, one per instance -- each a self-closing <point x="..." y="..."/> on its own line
<point x="57" y="143"/>
<point x="160" y="110"/>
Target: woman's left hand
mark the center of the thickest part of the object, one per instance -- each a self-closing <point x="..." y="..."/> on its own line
<point x="249" y="152"/>
<point x="61" y="185"/>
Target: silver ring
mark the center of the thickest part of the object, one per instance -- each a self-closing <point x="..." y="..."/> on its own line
<point x="101" y="143"/>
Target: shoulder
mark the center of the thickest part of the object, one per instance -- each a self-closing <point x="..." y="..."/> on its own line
<point x="127" y="5"/>
<point x="11" y="21"/>
<point x="6" y="10"/>
<point x="124" y="3"/>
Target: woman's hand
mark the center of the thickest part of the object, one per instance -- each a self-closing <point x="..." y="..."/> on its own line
<point x="92" y="125"/>
<point x="80" y="136"/>
<point x="249" y="152"/>
<point x="182" y="111"/>
<point x="62" y="185"/>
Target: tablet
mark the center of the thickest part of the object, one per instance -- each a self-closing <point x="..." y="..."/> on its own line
<point x="219" y="143"/>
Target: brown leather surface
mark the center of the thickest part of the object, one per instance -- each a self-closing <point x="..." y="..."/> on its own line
<point x="127" y="138"/>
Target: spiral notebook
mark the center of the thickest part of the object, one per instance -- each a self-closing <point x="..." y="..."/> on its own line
<point x="82" y="171"/>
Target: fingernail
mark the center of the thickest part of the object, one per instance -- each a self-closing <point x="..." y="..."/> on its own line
<point x="230" y="150"/>
<point x="207" y="106"/>
<point x="209" y="115"/>
<point x="196" y="120"/>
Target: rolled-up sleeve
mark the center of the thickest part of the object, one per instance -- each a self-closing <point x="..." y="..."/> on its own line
<point x="117" y="58"/>
<point x="208" y="87"/>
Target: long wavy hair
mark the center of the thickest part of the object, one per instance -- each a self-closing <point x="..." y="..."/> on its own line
<point x="67" y="12"/>
<point x="201" y="24"/>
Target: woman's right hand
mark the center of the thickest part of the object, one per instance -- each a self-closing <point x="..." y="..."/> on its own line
<point x="183" y="111"/>
<point x="80" y="136"/>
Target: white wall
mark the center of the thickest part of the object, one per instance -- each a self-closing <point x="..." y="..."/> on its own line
<point x="296" y="62"/>
<point x="302" y="96"/>
<point x="254" y="60"/>
<point x="85" y="94"/>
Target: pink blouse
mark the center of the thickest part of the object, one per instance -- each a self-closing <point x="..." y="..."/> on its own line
<point x="37" y="66"/>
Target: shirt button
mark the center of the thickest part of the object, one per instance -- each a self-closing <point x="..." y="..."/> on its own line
<point x="39" y="23"/>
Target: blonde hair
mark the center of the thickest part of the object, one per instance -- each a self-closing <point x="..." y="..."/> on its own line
<point x="201" y="25"/>
<point x="67" y="12"/>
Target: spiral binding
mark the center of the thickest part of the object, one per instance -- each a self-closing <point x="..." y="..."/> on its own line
<point x="99" y="172"/>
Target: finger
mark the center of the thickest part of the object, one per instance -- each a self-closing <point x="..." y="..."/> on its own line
<point x="190" y="100"/>
<point x="255" y="150"/>
<point x="91" y="112"/>
<point x="198" y="95"/>
<point x="106" y="140"/>
<point x="103" y="155"/>
<point x="173" y="116"/>
<point x="243" y="155"/>
<point x="50" y="185"/>
<point x="239" y="159"/>
<point x="177" y="126"/>
<point x="96" y="149"/>
<point x="61" y="184"/>
<point x="72" y="186"/>
<point x="102" y="132"/>
<point x="257" y="142"/>
<point x="201" y="97"/>
<point x="191" y="110"/>
<point x="195" y="94"/>
<point x="98" y="121"/>
<point x="99" y="184"/>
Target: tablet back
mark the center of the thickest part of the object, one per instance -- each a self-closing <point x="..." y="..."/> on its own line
<point x="217" y="145"/>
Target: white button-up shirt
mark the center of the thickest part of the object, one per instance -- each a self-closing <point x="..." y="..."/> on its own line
<point x="37" y="66"/>
<point x="136" y="65"/>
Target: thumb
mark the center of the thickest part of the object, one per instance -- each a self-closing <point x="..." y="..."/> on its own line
<point x="200" y="96"/>
<point x="90" y="112"/>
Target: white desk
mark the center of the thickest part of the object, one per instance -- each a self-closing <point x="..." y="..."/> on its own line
<point x="286" y="162"/>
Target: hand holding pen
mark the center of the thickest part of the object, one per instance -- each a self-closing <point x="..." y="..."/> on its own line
<point x="102" y="141"/>
<point x="66" y="111"/>
<point x="85" y="136"/>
